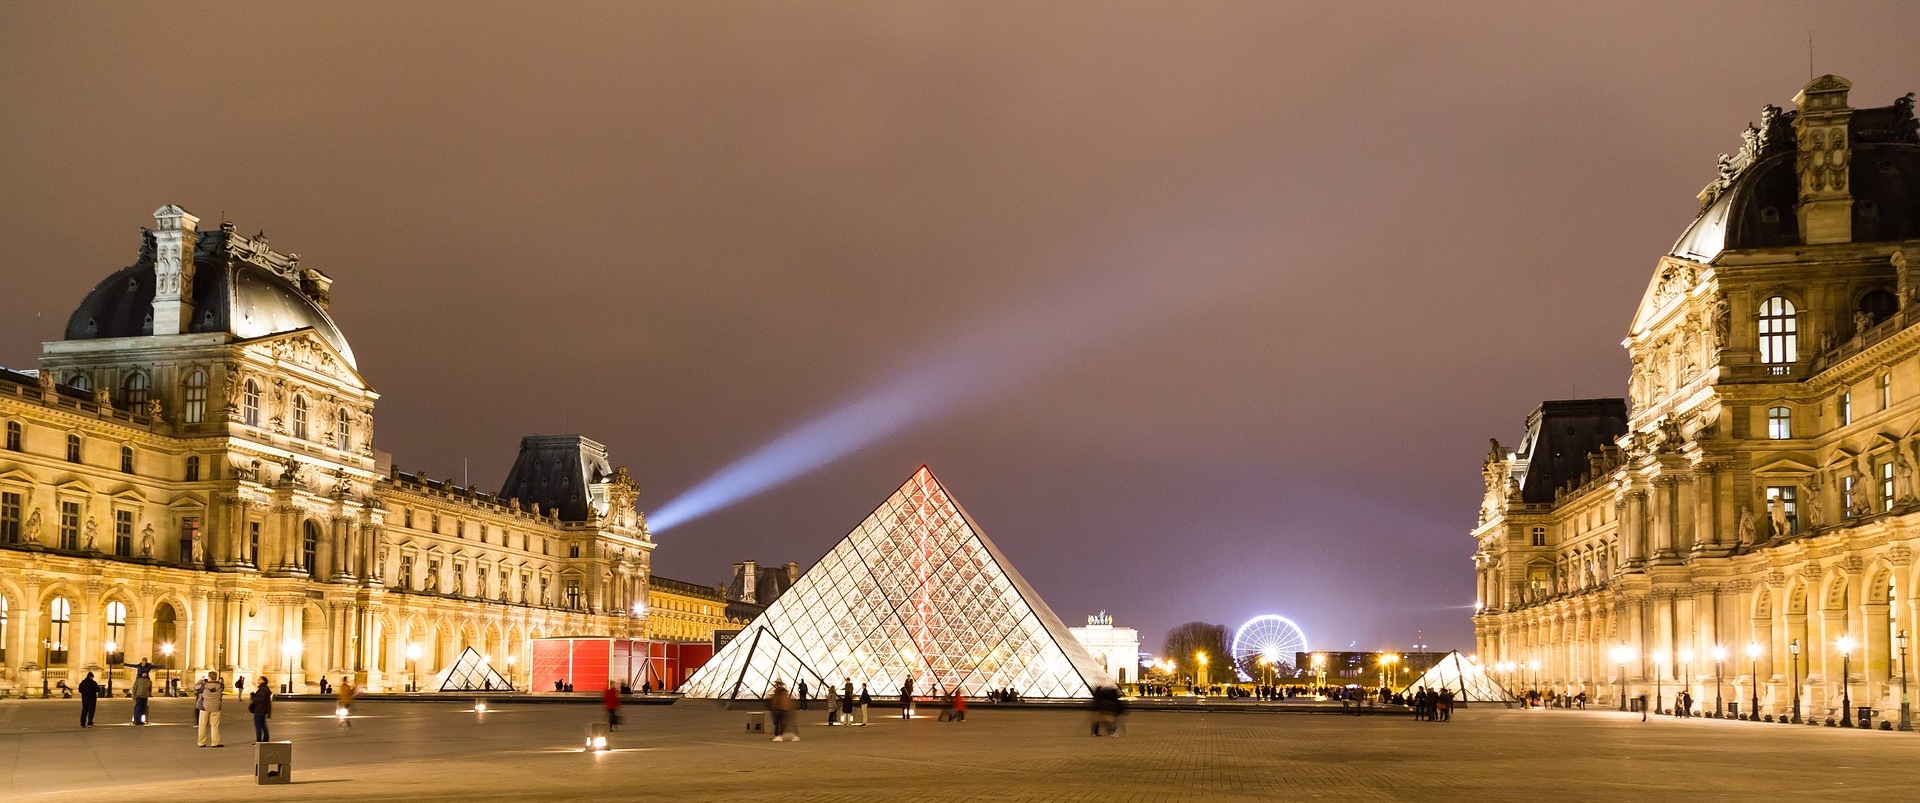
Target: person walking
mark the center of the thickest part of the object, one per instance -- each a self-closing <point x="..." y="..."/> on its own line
<point x="846" y="703"/>
<point x="89" y="700"/>
<point x="959" y="706"/>
<point x="865" y="700"/>
<point x="260" y="705"/>
<point x="611" y="699"/>
<point x="142" y="689"/>
<point x="779" y="705"/>
<point x="347" y="693"/>
<point x="906" y="698"/>
<point x="209" y="693"/>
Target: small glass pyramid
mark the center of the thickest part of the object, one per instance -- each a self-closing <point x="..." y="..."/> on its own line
<point x="469" y="672"/>
<point x="916" y="591"/>
<point x="1468" y="681"/>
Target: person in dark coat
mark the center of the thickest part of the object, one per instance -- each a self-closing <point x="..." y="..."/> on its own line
<point x="260" y="705"/>
<point x="906" y="699"/>
<point x="803" y="694"/>
<point x="846" y="703"/>
<point x="865" y="700"/>
<point x="89" y="700"/>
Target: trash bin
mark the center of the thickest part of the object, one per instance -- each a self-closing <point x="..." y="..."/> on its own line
<point x="1864" y="714"/>
<point x="273" y="762"/>
<point x="756" y="722"/>
<point x="1633" y="705"/>
<point x="1733" y="710"/>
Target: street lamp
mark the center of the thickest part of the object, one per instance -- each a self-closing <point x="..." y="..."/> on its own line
<point x="1753" y="668"/>
<point x="413" y="672"/>
<point x="46" y="655"/>
<point x="1659" y="669"/>
<point x="1906" y="717"/>
<point x="1534" y="667"/>
<point x="1845" y="646"/>
<point x="1793" y="662"/>
<point x="289" y="648"/>
<point x="1621" y="655"/>
<point x="111" y="647"/>
<point x="166" y="666"/>
<point x="1386" y="660"/>
<point x="1686" y="688"/>
<point x="1719" y="658"/>
<point x="1201" y="657"/>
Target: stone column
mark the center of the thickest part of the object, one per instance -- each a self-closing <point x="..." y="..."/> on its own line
<point x="1873" y="660"/>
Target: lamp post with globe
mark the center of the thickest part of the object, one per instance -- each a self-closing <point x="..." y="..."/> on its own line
<point x="1906" y="717"/>
<point x="1793" y="662"/>
<point x="1659" y="669"/>
<point x="1845" y="646"/>
<point x="1719" y="662"/>
<point x="1753" y="669"/>
<point x="413" y="671"/>
<point x="1621" y="655"/>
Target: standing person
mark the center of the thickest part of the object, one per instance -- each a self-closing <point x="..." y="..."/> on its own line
<point x="803" y="694"/>
<point x="611" y="699"/>
<point x="209" y="693"/>
<point x="142" y="689"/>
<point x="833" y="705"/>
<point x="846" y="703"/>
<point x="347" y="692"/>
<point x="906" y="698"/>
<point x="89" y="700"/>
<point x="260" y="705"/>
<point x="959" y="706"/>
<point x="865" y="700"/>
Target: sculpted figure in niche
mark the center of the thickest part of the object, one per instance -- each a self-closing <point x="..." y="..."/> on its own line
<point x="1814" y="506"/>
<point x="1862" y="321"/>
<point x="146" y="541"/>
<point x="1744" y="529"/>
<point x="92" y="528"/>
<point x="1777" y="517"/>
<point x="1903" y="473"/>
<point x="199" y="549"/>
<point x="33" y="526"/>
<point x="1722" y="323"/>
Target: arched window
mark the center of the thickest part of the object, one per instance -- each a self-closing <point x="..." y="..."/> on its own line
<point x="250" y="404"/>
<point x="73" y="448"/>
<point x="1879" y="305"/>
<point x="195" y="408"/>
<point x="1779" y="423"/>
<point x="309" y="546"/>
<point x="343" y="430"/>
<point x="116" y="632"/>
<point x="81" y="382"/>
<point x="1779" y="334"/>
<point x="59" y="614"/>
<point x="135" y="389"/>
<point x="300" y="417"/>
<point x="193" y="468"/>
<point x="3" y="630"/>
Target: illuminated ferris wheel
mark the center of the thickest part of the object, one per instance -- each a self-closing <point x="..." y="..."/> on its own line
<point x="1272" y="638"/>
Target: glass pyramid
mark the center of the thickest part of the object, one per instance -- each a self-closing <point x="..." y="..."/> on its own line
<point x="1468" y="681"/>
<point x="469" y="672"/>
<point x="915" y="591"/>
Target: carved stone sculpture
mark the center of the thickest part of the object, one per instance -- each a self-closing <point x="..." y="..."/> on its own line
<point x="199" y="549"/>
<point x="1903" y="475"/>
<point x="1814" y="506"/>
<point x="92" y="529"/>
<point x="1744" y="529"/>
<point x="33" y="526"/>
<point x="146" y="541"/>
<point x="1777" y="517"/>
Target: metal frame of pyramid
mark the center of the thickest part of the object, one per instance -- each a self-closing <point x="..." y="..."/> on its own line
<point x="916" y="591"/>
<point x="469" y="672"/>
<point x="1468" y="681"/>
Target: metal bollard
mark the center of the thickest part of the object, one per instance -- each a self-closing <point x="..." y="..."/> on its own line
<point x="273" y="762"/>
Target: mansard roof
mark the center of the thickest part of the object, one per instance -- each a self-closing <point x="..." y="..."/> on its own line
<point x="554" y="472"/>
<point x="1560" y="436"/>
<point x="239" y="286"/>
<point x="1752" y="203"/>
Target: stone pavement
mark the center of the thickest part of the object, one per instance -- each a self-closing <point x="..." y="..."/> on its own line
<point x="419" y="751"/>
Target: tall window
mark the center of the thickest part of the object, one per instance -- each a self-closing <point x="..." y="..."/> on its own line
<point x="343" y="430"/>
<point x="126" y="460"/>
<point x="573" y="594"/>
<point x="193" y="468"/>
<point x="1846" y="408"/>
<point x="250" y="404"/>
<point x="13" y="436"/>
<point x="135" y="389"/>
<point x="300" y="417"/>
<point x="123" y="533"/>
<point x="1787" y="495"/>
<point x="1539" y="536"/>
<point x="195" y="408"/>
<point x="116" y="632"/>
<point x="3" y="630"/>
<point x="432" y="581"/>
<point x="59" y="614"/>
<point x="253" y="542"/>
<point x="1779" y="423"/>
<point x="9" y="521"/>
<point x="1885" y="470"/>
<point x="189" y="532"/>
<point x="1779" y="334"/>
<point x="73" y="448"/>
<point x="1847" y="491"/>
<point x="70" y="526"/>
<point x="1886" y="390"/>
<point x="309" y="545"/>
<point x="81" y="382"/>
<point x="406" y="571"/>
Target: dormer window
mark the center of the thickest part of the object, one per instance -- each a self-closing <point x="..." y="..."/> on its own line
<point x="1779" y="334"/>
<point x="81" y="382"/>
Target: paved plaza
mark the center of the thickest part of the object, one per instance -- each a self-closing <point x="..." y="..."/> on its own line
<point x="421" y="751"/>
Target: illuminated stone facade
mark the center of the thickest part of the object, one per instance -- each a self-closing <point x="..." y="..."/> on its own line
<point x="193" y="466"/>
<point x="1754" y="491"/>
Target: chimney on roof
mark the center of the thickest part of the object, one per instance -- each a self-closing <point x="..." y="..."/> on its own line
<point x="173" y="243"/>
<point x="793" y="572"/>
<point x="747" y="572"/>
<point x="314" y="284"/>
<point x="1824" y="154"/>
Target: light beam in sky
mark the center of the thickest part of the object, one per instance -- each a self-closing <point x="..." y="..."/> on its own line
<point x="1021" y="343"/>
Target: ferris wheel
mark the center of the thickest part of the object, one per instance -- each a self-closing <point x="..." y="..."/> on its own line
<point x="1272" y="638"/>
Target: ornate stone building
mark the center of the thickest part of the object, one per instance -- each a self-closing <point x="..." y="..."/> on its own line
<point x="1748" y="514"/>
<point x="189" y="476"/>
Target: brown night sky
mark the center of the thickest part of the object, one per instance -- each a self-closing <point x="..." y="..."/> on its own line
<point x="1306" y="258"/>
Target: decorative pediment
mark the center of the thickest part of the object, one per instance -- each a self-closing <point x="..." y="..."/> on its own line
<point x="305" y="349"/>
<point x="1785" y="466"/>
<point x="1672" y="281"/>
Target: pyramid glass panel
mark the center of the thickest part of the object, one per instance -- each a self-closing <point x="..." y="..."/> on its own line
<point x="1466" y="679"/>
<point x="469" y="672"/>
<point x="916" y="591"/>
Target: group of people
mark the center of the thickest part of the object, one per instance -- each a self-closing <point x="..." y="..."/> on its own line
<point x="209" y="695"/>
<point x="1433" y="706"/>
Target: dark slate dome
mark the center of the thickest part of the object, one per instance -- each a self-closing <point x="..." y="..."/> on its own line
<point x="1756" y="207"/>
<point x="231" y="294"/>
